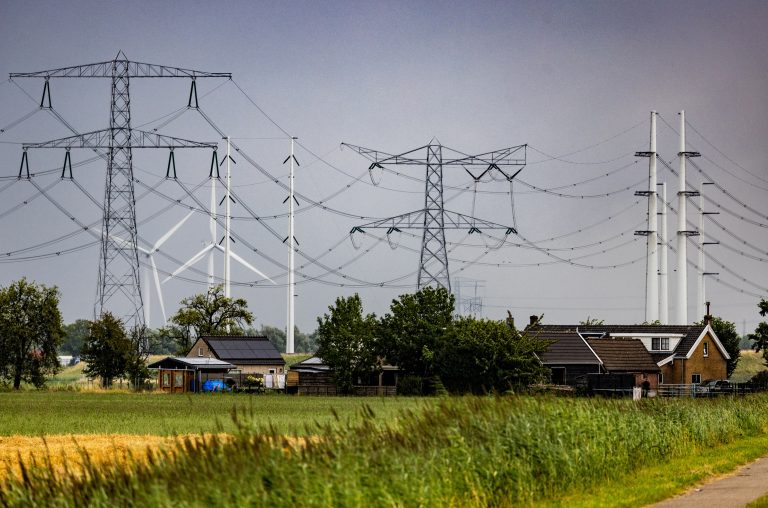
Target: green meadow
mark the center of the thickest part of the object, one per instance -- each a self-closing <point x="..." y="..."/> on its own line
<point x="453" y="451"/>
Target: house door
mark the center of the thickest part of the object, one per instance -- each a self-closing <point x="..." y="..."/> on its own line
<point x="558" y="375"/>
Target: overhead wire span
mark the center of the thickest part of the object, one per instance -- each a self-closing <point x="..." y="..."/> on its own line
<point x="711" y="218"/>
<point x="28" y="200"/>
<point x="727" y="158"/>
<point x="19" y="120"/>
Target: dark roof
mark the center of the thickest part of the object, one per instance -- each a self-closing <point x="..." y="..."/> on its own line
<point x="244" y="350"/>
<point x="690" y="332"/>
<point x="566" y="348"/>
<point x="313" y="364"/>
<point x="623" y="355"/>
<point x="211" y="364"/>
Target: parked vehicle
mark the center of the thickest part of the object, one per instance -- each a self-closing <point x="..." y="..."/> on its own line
<point x="719" y="386"/>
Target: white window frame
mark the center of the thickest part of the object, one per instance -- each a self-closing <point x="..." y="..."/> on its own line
<point x="200" y="351"/>
<point x="696" y="379"/>
<point x="660" y="344"/>
<point x="706" y="348"/>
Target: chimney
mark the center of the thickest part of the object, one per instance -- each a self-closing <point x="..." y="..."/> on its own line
<point x="534" y="320"/>
<point x="707" y="316"/>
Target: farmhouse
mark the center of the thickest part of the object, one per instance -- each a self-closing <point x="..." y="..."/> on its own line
<point x="685" y="354"/>
<point x="248" y="354"/>
<point x="572" y="359"/>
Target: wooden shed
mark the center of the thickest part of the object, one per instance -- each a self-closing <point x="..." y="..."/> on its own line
<point x="181" y="375"/>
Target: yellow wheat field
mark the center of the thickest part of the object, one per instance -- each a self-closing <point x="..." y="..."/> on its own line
<point x="69" y="450"/>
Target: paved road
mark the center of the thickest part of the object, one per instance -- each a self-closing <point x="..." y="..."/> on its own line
<point x="735" y="490"/>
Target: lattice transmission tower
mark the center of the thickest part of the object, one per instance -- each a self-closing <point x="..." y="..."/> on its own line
<point x="119" y="256"/>
<point x="434" y="219"/>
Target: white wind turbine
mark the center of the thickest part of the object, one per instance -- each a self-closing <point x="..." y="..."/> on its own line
<point x="214" y="246"/>
<point x="149" y="253"/>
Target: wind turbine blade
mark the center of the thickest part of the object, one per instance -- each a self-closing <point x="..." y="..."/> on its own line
<point x="157" y="286"/>
<point x="250" y="267"/>
<point x="171" y="231"/>
<point x="123" y="241"/>
<point x="189" y="263"/>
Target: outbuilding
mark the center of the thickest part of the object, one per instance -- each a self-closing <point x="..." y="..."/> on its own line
<point x="181" y="375"/>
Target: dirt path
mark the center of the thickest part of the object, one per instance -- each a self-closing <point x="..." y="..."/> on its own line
<point x="734" y="490"/>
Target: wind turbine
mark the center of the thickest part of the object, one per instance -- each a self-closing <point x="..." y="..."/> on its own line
<point x="149" y="253"/>
<point x="216" y="246"/>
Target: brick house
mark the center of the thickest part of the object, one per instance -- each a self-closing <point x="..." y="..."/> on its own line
<point x="249" y="354"/>
<point x="573" y="358"/>
<point x="686" y="354"/>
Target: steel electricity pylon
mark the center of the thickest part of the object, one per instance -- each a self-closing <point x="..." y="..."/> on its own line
<point x="434" y="219"/>
<point x="119" y="259"/>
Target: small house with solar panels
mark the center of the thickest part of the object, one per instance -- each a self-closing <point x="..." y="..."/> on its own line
<point x="248" y="354"/>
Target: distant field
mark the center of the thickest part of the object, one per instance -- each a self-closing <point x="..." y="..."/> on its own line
<point x="750" y="363"/>
<point x="37" y="413"/>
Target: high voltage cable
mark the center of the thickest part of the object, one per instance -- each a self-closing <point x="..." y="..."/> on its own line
<point x="711" y="218"/>
<point x="730" y="195"/>
<point x="26" y="201"/>
<point x="721" y="153"/>
<point x="559" y="157"/>
<point x="726" y="157"/>
<point x="410" y="177"/>
<point x="19" y="121"/>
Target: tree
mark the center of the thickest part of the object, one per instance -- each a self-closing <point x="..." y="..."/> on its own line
<point x="106" y="350"/>
<point x="212" y="313"/>
<point x="729" y="337"/>
<point x="30" y="332"/>
<point x="760" y="337"/>
<point x="302" y="343"/>
<point x="590" y="321"/>
<point x="478" y="356"/>
<point x="74" y="336"/>
<point x="162" y="341"/>
<point x="414" y="329"/>
<point x="345" y="339"/>
<point x="136" y="356"/>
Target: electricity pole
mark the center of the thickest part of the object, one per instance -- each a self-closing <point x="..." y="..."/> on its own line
<point x="433" y="219"/>
<point x="119" y="260"/>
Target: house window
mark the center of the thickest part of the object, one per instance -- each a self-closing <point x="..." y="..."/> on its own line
<point x="661" y="378"/>
<point x="271" y="371"/>
<point x="696" y="379"/>
<point x="706" y="349"/>
<point x="200" y="351"/>
<point x="660" y="344"/>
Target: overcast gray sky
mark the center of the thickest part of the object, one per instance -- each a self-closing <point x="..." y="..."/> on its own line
<point x="574" y="80"/>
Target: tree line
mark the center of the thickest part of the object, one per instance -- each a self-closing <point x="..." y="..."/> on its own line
<point x="433" y="349"/>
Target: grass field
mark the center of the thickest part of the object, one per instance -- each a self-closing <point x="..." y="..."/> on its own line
<point x="38" y="413"/>
<point x="750" y="363"/>
<point x="469" y="451"/>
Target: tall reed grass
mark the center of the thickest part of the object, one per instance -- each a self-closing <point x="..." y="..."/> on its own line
<point x="473" y="451"/>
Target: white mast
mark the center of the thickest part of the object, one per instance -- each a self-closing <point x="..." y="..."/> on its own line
<point x="290" y="324"/>
<point x="663" y="277"/>
<point x="700" y="296"/>
<point x="652" y="275"/>
<point x="701" y="292"/>
<point x="227" y="211"/>
<point x="212" y="228"/>
<point x="682" y="232"/>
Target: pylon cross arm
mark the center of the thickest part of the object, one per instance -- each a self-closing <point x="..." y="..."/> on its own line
<point x="133" y="70"/>
<point x="452" y="220"/>
<point x="138" y="139"/>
